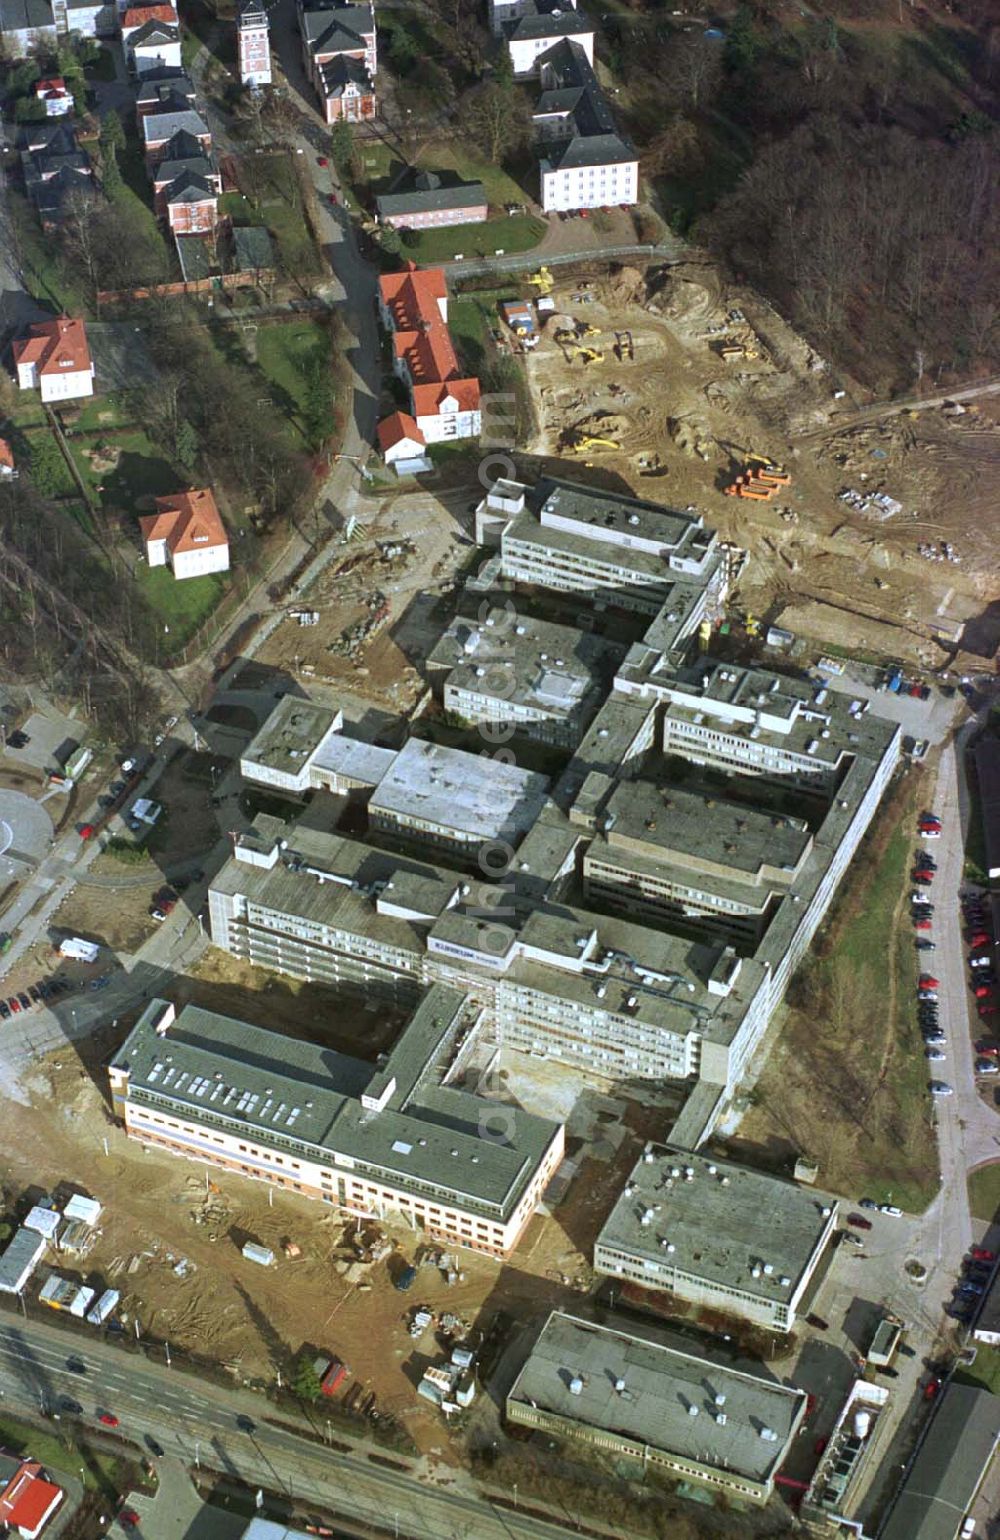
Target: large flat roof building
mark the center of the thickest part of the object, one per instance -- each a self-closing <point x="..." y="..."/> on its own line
<point x="671" y="1408"/>
<point x="948" y="1469"/>
<point x="717" y="1234"/>
<point x="453" y="798"/>
<point x="370" y="1139"/>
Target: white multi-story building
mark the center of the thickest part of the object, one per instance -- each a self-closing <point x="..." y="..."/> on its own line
<point x="413" y="307"/>
<point x="718" y="1235"/>
<point x="55" y="359"/>
<point x="395" y="1140"/>
<point x="584" y="161"/>
<point x="187" y="534"/>
<point x="537" y="31"/>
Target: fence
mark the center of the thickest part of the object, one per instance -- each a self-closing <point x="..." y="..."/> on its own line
<point x="246" y="280"/>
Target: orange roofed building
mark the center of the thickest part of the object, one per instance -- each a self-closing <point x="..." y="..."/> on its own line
<point x="186" y="532"/>
<point x="27" y="1500"/>
<point x="55" y="359"/>
<point x="444" y="403"/>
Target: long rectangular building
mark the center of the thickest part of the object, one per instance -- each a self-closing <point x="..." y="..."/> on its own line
<point x="666" y="1406"/>
<point x="395" y="1139"/>
<point x="717" y="1234"/>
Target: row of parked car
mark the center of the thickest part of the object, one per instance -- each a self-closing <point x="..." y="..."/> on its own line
<point x="972" y="1283"/>
<point x="36" y="994"/>
<point x="922" y="913"/>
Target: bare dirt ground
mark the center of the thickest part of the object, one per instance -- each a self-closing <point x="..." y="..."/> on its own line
<point x="116" y="919"/>
<point x="385" y="583"/>
<point x="686" y="420"/>
<point x="171" y="1236"/>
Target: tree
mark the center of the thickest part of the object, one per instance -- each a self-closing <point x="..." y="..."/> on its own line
<point x="390" y="240"/>
<point x="186" y="445"/>
<point x="342" y="150"/>
<point x="693" y="68"/>
<point x="48" y="472"/>
<point x="496" y="116"/>
<point x="82" y="233"/>
<point x="317" y="409"/>
<point x="112" y="135"/>
<point x="111" y="177"/>
<point x="305" y="1380"/>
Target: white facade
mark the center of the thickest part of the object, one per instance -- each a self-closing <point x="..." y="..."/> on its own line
<point x="57" y="387"/>
<point x="201" y="560"/>
<point x="524" y="51"/>
<point x="449" y="422"/>
<point x="162" y="54"/>
<point x="589" y="187"/>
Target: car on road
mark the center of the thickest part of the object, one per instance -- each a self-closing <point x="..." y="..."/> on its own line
<point x="76" y="1366"/>
<point x="940" y="1088"/>
<point x="67" y="1404"/>
<point x="928" y="981"/>
<point x="987" y="1067"/>
<point x="931" y="1389"/>
<point x="891" y="1210"/>
<point x="246" y="1424"/>
<point x="153" y="1445"/>
<point x="108" y="1418"/>
<point x="859" y="1221"/>
<point x="935" y="1055"/>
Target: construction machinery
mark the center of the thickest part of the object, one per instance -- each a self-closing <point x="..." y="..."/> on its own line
<point x="543" y="280"/>
<point x="759" y="481"/>
<point x="579" y="443"/>
<point x="589" y="355"/>
<point x="731" y="351"/>
<point x="624" y="346"/>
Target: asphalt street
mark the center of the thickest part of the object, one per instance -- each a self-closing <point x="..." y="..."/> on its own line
<point x="200" y="1424"/>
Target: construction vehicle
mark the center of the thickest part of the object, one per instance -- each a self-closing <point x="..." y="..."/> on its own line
<point x="730" y="351"/>
<point x="589" y="355"/>
<point x="760" y="480"/>
<point x="579" y="444"/>
<point x="624" y="346"/>
<point x="543" y="280"/>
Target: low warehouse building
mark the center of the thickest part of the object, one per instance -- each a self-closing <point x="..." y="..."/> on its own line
<point x="717" y="1234"/>
<point x="671" y="1408"/>
<point x="949" y="1467"/>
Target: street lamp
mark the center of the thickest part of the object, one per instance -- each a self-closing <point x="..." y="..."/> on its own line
<point x="197" y="1446"/>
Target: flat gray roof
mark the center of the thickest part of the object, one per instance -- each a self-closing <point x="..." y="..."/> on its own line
<point x="949" y="1466"/>
<point x="458" y="792"/>
<point x="661" y="1385"/>
<point x="350" y="757"/>
<point x="265" y="1085"/>
<point x="726" y="1223"/>
<point x="24" y="1249"/>
<point x="291" y="734"/>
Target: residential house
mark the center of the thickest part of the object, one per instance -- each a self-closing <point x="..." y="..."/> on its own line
<point x="192" y="205"/>
<point x="53" y="167"/>
<point x="339" y="54"/>
<point x="254" y="44"/>
<point x="52" y="93"/>
<point x="584" y="162"/>
<point x="429" y="204"/>
<point x="24" y="24"/>
<point x="85" y="18"/>
<point x="8" y="470"/>
<point x="253" y="252"/>
<point x="503" y="12"/>
<point x="158" y="128"/>
<point x="163" y="90"/>
<point x="187" y="533"/>
<point x="183" y="158"/>
<point x="444" y="403"/>
<point x="28" y="1500"/>
<point x="399" y="438"/>
<point x="55" y="359"/>
<point x="538" y="28"/>
<point x="155" y="45"/>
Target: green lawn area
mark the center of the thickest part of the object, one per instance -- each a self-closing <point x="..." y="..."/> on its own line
<point x="190" y="48"/>
<point x="984" y="1372"/>
<point x="46" y="275"/>
<point x="984" y="1192"/>
<point x="468" y="163"/>
<point x="100" y="414"/>
<point x="98" y="1472"/>
<point x="470" y="319"/>
<point x="519" y="232"/>
<point x="273" y="197"/>
<point x="181" y="606"/>
<point x="284" y="353"/>
<point x="141" y="472"/>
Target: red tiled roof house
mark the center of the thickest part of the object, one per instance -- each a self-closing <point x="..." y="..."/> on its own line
<point x="55" y="359"/>
<point x="27" y="1500"/>
<point x="186" y="532"/>
<point x="444" y="403"/>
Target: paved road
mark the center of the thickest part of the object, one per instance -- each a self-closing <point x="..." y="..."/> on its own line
<point x="198" y="1423"/>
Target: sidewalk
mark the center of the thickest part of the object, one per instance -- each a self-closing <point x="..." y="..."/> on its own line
<point x="176" y="1512"/>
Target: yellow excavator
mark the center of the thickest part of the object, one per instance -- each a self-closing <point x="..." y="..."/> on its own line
<point x="589" y="355"/>
<point x="579" y="445"/>
<point x="543" y="280"/>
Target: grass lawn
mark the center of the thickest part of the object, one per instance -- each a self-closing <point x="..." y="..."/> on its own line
<point x="273" y="197"/>
<point x="847" y="1080"/>
<point x="984" y="1192"/>
<point x="141" y="472"/>
<point x="181" y="606"/>
<point x="284" y="353"/>
<point x="984" y="1372"/>
<point x="470" y="319"/>
<point x="100" y="414"/>
<point x="519" y="232"/>
<point x="46" y="276"/>
<point x="98" y="1472"/>
<point x="468" y="162"/>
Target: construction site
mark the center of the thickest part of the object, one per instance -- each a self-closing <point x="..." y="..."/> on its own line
<point x="861" y="524"/>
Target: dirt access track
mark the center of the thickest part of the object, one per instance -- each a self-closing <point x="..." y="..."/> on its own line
<point x="681" y="420"/>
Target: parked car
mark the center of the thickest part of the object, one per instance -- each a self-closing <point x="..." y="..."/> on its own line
<point x="983" y="991"/>
<point x="927" y="994"/>
<point x="931" y="1389"/>
<point x="24" y="1001"/>
<point x="981" y="1254"/>
<point x="921" y="924"/>
<point x="988" y="1048"/>
<point x="970" y="1290"/>
<point x="818" y="1322"/>
<point x="921" y="872"/>
<point x="922" y="879"/>
<point x="891" y="1210"/>
<point x="987" y="1067"/>
<point x="928" y="981"/>
<point x="887" y="1369"/>
<point x="15" y="1005"/>
<point x="986" y="1008"/>
<point x="851" y="1238"/>
<point x="980" y="962"/>
<point x="868" y="1203"/>
<point x="108" y="1418"/>
<point x="4" y="1011"/>
<point x="935" y="1055"/>
<point x="978" y="938"/>
<point x="939" y="1088"/>
<point x="923" y="945"/>
<point x="859" y="1221"/>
